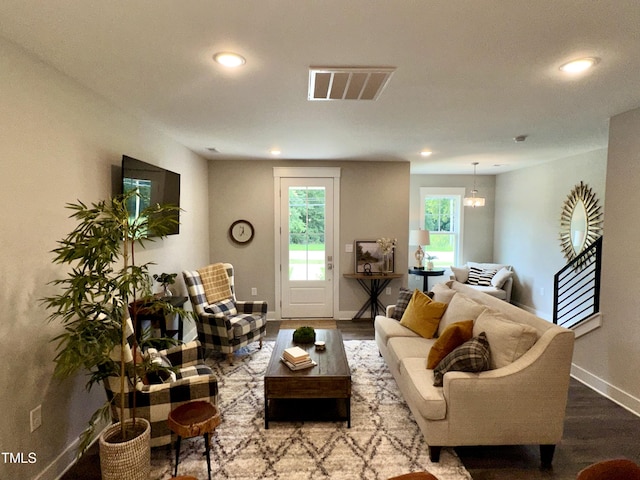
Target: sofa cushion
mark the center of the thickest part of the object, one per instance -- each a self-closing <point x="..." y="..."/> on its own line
<point x="488" y="266"/>
<point x="423" y="314"/>
<point x="493" y="291"/>
<point x="401" y="348"/>
<point x="461" y="273"/>
<point x="442" y="293"/>
<point x="501" y="277"/>
<point x="472" y="356"/>
<point x="508" y="340"/>
<point x="387" y="328"/>
<point x="419" y="391"/>
<point x="452" y="337"/>
<point x="460" y="308"/>
<point x="226" y="307"/>
<point x="404" y="296"/>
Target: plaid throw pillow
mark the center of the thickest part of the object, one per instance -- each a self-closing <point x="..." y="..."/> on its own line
<point x="401" y="304"/>
<point x="471" y="356"/>
<point x="226" y="307"/>
<point x="480" y="277"/>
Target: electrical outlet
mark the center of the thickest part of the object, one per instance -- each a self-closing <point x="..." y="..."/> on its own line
<point x="254" y="291"/>
<point x="35" y="417"/>
<point x="542" y="291"/>
<point x="348" y="248"/>
<point x="388" y="291"/>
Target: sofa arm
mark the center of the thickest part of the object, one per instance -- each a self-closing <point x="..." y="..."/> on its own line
<point x="389" y="311"/>
<point x="522" y="403"/>
<point x="185" y="354"/>
<point x="256" y="306"/>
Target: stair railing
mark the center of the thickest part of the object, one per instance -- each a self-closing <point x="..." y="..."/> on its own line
<point x="577" y="287"/>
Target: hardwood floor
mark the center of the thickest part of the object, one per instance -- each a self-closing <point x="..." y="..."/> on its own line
<point x="595" y="429"/>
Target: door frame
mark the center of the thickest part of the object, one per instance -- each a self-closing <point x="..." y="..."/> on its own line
<point x="306" y="172"/>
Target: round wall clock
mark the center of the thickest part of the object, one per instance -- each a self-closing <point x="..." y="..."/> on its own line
<point x="241" y="231"/>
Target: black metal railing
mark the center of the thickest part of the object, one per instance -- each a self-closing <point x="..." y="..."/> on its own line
<point x="576" y="292"/>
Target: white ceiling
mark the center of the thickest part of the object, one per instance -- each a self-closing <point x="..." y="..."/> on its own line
<point x="470" y="74"/>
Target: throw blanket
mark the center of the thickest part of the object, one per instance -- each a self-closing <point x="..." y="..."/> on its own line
<point x="215" y="282"/>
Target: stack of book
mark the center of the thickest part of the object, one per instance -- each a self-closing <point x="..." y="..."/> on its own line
<point x="296" y="358"/>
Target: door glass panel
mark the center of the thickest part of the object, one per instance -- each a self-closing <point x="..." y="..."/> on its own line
<point x="307" y="211"/>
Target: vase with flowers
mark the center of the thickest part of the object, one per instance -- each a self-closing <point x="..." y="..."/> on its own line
<point x="387" y="245"/>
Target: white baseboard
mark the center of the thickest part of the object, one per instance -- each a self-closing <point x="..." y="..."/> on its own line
<point x="613" y="393"/>
<point x="63" y="462"/>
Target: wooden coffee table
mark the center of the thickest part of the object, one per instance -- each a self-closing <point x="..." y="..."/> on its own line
<point x="330" y="379"/>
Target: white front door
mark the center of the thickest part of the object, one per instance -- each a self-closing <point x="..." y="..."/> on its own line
<point x="306" y="247"/>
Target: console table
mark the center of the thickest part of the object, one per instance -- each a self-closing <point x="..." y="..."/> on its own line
<point x="425" y="274"/>
<point x="373" y="284"/>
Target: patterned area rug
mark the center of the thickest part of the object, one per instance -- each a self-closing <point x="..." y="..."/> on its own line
<point x="383" y="440"/>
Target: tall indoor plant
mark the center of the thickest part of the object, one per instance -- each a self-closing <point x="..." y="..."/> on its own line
<point x="100" y="284"/>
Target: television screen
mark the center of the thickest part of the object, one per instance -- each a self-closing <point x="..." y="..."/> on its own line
<point x="155" y="185"/>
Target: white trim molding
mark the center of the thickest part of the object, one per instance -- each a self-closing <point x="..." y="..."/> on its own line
<point x="613" y="393"/>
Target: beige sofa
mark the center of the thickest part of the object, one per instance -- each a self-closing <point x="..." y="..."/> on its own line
<point x="517" y="402"/>
<point x="499" y="286"/>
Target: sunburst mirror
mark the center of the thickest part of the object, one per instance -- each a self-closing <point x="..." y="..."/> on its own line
<point x="580" y="221"/>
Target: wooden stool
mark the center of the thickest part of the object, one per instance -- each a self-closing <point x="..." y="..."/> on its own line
<point x="191" y="420"/>
<point x="415" y="476"/>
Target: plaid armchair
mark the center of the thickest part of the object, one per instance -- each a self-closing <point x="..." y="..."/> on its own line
<point x="194" y="381"/>
<point x="225" y="326"/>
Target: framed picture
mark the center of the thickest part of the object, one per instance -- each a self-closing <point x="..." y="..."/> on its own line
<point x="369" y="258"/>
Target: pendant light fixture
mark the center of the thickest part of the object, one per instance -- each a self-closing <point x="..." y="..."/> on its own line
<point x="474" y="201"/>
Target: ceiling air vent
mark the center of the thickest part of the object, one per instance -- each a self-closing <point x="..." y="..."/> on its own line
<point x="348" y="83"/>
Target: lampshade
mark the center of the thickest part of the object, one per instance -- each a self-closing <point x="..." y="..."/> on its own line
<point x="419" y="237"/>
<point x="473" y="201"/>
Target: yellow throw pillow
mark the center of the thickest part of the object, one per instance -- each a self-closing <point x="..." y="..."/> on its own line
<point x="423" y="314"/>
<point x="452" y="337"/>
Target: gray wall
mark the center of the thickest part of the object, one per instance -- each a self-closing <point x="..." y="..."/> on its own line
<point x="527" y="224"/>
<point x="58" y="143"/>
<point x="374" y="201"/>
<point x="609" y="357"/>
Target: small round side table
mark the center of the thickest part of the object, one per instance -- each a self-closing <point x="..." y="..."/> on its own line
<point x="425" y="274"/>
<point x="191" y="420"/>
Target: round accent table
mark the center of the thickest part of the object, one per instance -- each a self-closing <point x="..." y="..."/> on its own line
<point x="191" y="420"/>
<point x="425" y="274"/>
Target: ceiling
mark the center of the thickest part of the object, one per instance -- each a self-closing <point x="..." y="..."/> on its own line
<point x="470" y="75"/>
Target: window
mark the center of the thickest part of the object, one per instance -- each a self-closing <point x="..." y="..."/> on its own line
<point x="441" y="214"/>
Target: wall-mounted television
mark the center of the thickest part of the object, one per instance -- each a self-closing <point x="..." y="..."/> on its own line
<point x="155" y="185"/>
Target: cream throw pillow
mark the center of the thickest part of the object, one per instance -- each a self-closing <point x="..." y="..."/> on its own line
<point x="508" y="340"/>
<point x="461" y="273"/>
<point x="460" y="308"/>
<point x="442" y="293"/>
<point x="501" y="277"/>
<point x="423" y="314"/>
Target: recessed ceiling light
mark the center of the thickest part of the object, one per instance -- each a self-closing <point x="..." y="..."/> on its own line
<point x="275" y="151"/>
<point x="426" y="153"/>
<point x="229" y="59"/>
<point x="580" y="65"/>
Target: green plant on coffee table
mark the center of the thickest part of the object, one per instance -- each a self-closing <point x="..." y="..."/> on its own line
<point x="304" y="335"/>
<point x="101" y="282"/>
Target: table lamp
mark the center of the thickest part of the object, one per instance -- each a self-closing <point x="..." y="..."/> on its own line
<point x="419" y="237"/>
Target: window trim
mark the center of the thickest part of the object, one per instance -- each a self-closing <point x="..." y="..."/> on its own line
<point x="458" y="192"/>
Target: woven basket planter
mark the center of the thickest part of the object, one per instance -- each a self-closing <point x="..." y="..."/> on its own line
<point x="131" y="459"/>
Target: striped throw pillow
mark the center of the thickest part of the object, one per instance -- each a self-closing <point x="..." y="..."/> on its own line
<point x="480" y="277"/>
